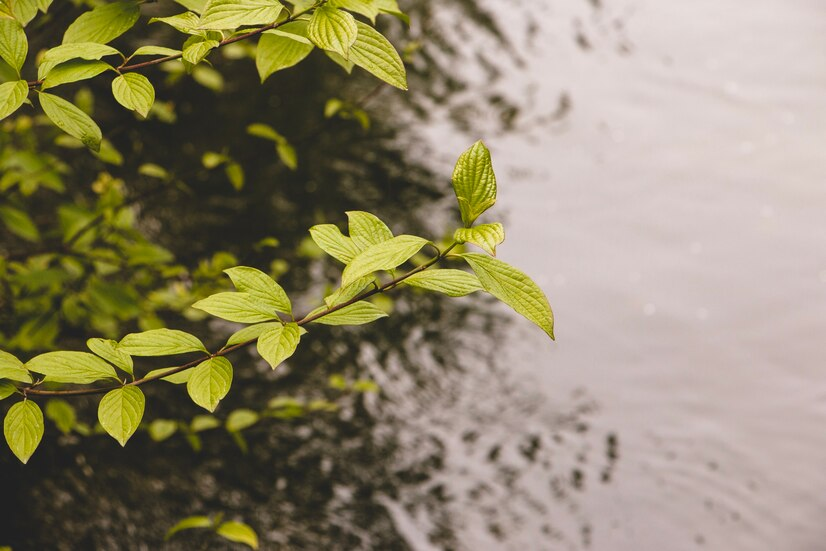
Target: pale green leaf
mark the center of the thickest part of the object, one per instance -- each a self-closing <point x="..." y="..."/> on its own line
<point x="277" y="52"/>
<point x="178" y="378"/>
<point x="279" y="343"/>
<point x="104" y="23"/>
<point x="286" y="153"/>
<point x="210" y="382"/>
<point x="62" y="414"/>
<point x="71" y="367"/>
<point x="241" y="419"/>
<point x="260" y="286"/>
<point x="120" y="412"/>
<point x="13" y="43"/>
<point x="484" y="236"/>
<point x="66" y="52"/>
<point x="194" y="5"/>
<point x="135" y="92"/>
<point x="391" y="7"/>
<point x="188" y="524"/>
<point x="375" y="54"/>
<point x="453" y="283"/>
<point x="74" y="71"/>
<point x="356" y="314"/>
<point x="11" y="368"/>
<point x="198" y="49"/>
<point x="239" y="533"/>
<point x="111" y="352"/>
<point x="514" y="288"/>
<point x="333" y="30"/>
<point x="474" y="182"/>
<point x="161" y="429"/>
<point x="240" y="307"/>
<point x="384" y="256"/>
<point x="366" y="229"/>
<point x="12" y="96"/>
<point x="23" y="429"/>
<point x="345" y="64"/>
<point x="186" y="22"/>
<point x="6" y="389"/>
<point x="343" y="294"/>
<point x="330" y="239"/>
<point x="231" y="14"/>
<point x="19" y="223"/>
<point x="71" y="120"/>
<point x="296" y="30"/>
<point x="367" y="8"/>
<point x="156" y="50"/>
<point x="201" y="423"/>
<point x="160" y="342"/>
<point x="251" y="332"/>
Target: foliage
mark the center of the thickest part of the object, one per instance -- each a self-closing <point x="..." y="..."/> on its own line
<point x="65" y="271"/>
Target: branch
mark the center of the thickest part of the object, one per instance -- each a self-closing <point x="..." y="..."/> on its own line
<point x="123" y="68"/>
<point x="390" y="285"/>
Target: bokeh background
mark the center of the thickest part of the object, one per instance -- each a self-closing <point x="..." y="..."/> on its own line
<point x="661" y="175"/>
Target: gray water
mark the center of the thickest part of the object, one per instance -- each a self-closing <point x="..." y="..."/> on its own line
<point x="675" y="216"/>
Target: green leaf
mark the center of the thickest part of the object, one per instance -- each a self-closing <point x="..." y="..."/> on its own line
<point x="276" y="52"/>
<point x="286" y="153"/>
<point x="453" y="283"/>
<point x="238" y="532"/>
<point x="375" y="54"/>
<point x="196" y="50"/>
<point x="384" y="256"/>
<point x="333" y="30"/>
<point x="6" y="389"/>
<point x="240" y="307"/>
<point x="343" y="294"/>
<point x="296" y="30"/>
<point x="367" y="8"/>
<point x="210" y="382"/>
<point x="241" y="419"/>
<point x="11" y="368"/>
<point x="161" y="429"/>
<point x="345" y="64"/>
<point x="110" y="351"/>
<point x="19" y="223"/>
<point x="156" y="50"/>
<point x="251" y="332"/>
<point x="514" y="288"/>
<point x="178" y="378"/>
<point x="260" y="286"/>
<point x="22" y="10"/>
<point x="23" y="429"/>
<point x="330" y="239"/>
<point x="71" y="367"/>
<point x="160" y="342"/>
<point x="74" y="71"/>
<point x="201" y="423"/>
<point x="366" y="229"/>
<point x="71" y="120"/>
<point x="66" y="52"/>
<point x="279" y="343"/>
<point x="484" y="236"/>
<point x="231" y="14"/>
<point x="186" y="22"/>
<point x="356" y="314"/>
<point x="235" y="174"/>
<point x="474" y="182"/>
<point x="62" y="414"/>
<point x="13" y="43"/>
<point x="135" y="92"/>
<point x="120" y="412"/>
<point x="187" y="524"/>
<point x="103" y="24"/>
<point x="194" y="5"/>
<point x="12" y="96"/>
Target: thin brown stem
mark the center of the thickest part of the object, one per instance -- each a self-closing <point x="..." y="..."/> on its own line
<point x="31" y="390"/>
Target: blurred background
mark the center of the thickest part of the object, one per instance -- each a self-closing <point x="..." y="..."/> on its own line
<point x="661" y="176"/>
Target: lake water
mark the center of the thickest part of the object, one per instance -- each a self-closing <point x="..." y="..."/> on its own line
<point x="673" y="209"/>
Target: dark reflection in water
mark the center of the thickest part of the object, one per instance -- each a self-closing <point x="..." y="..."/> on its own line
<point x="454" y="451"/>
